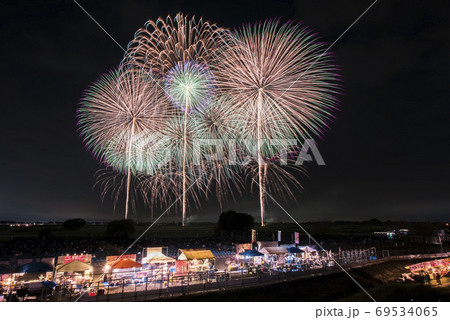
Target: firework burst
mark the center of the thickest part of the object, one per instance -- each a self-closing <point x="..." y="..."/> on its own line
<point x="189" y="86"/>
<point x="218" y="124"/>
<point x="184" y="80"/>
<point x="162" y="44"/>
<point x="282" y="83"/>
<point x="178" y="50"/>
<point x="120" y="113"/>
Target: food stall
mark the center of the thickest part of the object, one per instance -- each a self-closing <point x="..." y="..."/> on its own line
<point x="294" y="257"/>
<point x="75" y="269"/>
<point x="242" y="247"/>
<point x="5" y="273"/>
<point x="124" y="267"/>
<point x="33" y="271"/>
<point x="194" y="260"/>
<point x="112" y="259"/>
<point x="431" y="268"/>
<point x="249" y="260"/>
<point x="264" y="244"/>
<point x="274" y="256"/>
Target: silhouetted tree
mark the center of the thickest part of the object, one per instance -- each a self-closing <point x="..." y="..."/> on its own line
<point x="235" y="221"/>
<point x="74" y="224"/>
<point x="120" y="229"/>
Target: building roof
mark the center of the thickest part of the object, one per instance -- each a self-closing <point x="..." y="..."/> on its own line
<point x="294" y="250"/>
<point x="4" y="269"/>
<point x="195" y="254"/>
<point x="74" y="266"/>
<point x="273" y="250"/>
<point x="251" y="253"/>
<point x="33" y="267"/>
<point x="125" y="263"/>
<point x="264" y="244"/>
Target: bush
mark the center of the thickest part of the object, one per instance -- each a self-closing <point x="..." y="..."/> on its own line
<point x="233" y="221"/>
<point x="74" y="224"/>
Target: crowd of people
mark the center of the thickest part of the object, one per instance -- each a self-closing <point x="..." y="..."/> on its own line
<point x="30" y="248"/>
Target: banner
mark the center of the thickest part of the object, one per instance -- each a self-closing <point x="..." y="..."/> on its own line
<point x="87" y="258"/>
<point x="279" y="235"/>
<point x="125" y="256"/>
<point x="429" y="264"/>
<point x="154" y="249"/>
<point x="253" y="235"/>
<point x="297" y="238"/>
<point x="241" y="247"/>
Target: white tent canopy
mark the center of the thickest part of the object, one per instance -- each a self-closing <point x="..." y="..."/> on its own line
<point x="273" y="250"/>
<point x="307" y="249"/>
<point x="157" y="257"/>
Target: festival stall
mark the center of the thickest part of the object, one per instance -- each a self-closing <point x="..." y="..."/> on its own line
<point x="434" y="269"/>
<point x="157" y="258"/>
<point x="194" y="260"/>
<point x="5" y="273"/>
<point x="308" y="252"/>
<point x="75" y="269"/>
<point x="29" y="270"/>
<point x="294" y="256"/>
<point x="27" y="274"/>
<point x="249" y="259"/>
<point x="122" y="267"/>
<point x="157" y="265"/>
<point x="275" y="256"/>
<point x="242" y="247"/>
<point x="264" y="244"/>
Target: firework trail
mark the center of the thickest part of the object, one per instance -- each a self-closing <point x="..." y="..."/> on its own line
<point x="120" y="113"/>
<point x="113" y="183"/>
<point x="217" y="122"/>
<point x="259" y="69"/>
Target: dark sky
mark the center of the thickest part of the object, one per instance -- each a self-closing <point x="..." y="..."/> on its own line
<point x="387" y="154"/>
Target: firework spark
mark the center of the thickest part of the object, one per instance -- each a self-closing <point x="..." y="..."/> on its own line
<point x="120" y="112"/>
<point x="259" y="68"/>
<point x="185" y="80"/>
<point x="178" y="50"/>
<point x="162" y="44"/>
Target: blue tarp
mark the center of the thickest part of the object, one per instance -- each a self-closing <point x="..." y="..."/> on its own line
<point x="33" y="267"/>
<point x="4" y="269"/>
<point x="50" y="284"/>
<point x="251" y="253"/>
<point x="294" y="250"/>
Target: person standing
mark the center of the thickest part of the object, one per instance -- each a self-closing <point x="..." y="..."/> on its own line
<point x="438" y="278"/>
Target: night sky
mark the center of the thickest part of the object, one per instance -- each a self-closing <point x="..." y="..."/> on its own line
<point x="387" y="153"/>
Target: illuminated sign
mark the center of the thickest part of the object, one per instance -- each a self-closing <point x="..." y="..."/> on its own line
<point x="86" y="258"/>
